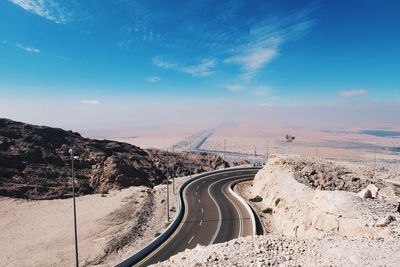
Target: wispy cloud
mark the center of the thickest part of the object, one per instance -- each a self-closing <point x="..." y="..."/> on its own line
<point x="234" y="87"/>
<point x="28" y="48"/>
<point x="203" y="68"/>
<point x="352" y="93"/>
<point x="265" y="39"/>
<point x="90" y="102"/>
<point x="48" y="9"/>
<point x="153" y="79"/>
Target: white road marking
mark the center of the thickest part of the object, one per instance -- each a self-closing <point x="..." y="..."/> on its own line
<point x="199" y="200"/>
<point x="237" y="210"/>
<point x="219" y="214"/>
<point x="190" y="239"/>
<point x="202" y="211"/>
<point x="198" y="187"/>
<point x="219" y="210"/>
<point x="180" y="225"/>
<point x="201" y="222"/>
<point x="196" y="193"/>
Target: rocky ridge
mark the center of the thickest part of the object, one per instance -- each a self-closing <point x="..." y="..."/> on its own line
<point x="35" y="163"/>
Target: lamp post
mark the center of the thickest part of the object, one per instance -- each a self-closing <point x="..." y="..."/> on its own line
<point x="73" y="157"/>
<point x="167" y="199"/>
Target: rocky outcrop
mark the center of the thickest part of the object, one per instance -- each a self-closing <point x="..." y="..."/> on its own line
<point x="322" y="174"/>
<point x="35" y="163"/>
<point x="301" y="209"/>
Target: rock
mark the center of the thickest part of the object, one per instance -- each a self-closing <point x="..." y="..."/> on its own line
<point x="373" y="189"/>
<point x="386" y="221"/>
<point x="386" y="193"/>
<point x="365" y="193"/>
<point x="35" y="163"/>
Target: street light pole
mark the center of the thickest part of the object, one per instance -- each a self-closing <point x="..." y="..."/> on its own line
<point x="224" y="152"/>
<point x="375" y="161"/>
<point x="167" y="199"/>
<point x="71" y="151"/>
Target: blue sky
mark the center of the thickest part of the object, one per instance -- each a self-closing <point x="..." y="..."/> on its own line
<point x="158" y="55"/>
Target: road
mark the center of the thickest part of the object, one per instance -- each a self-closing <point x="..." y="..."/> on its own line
<point x="212" y="215"/>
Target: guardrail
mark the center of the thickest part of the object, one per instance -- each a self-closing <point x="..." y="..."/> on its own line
<point x="143" y="253"/>
<point x="253" y="219"/>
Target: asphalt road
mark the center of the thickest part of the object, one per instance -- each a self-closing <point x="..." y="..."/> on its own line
<point x="212" y="215"/>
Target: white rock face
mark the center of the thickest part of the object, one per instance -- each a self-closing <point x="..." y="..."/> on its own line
<point x="373" y="189"/>
<point x="306" y="212"/>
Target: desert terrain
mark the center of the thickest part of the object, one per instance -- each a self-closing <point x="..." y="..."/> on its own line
<point x="121" y="189"/>
<point x="111" y="226"/>
<point x="314" y="212"/>
<point x="115" y="219"/>
<point x="360" y="145"/>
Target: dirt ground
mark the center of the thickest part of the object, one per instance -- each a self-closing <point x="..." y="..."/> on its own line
<point x="111" y="227"/>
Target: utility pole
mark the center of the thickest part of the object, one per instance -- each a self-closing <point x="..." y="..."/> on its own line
<point x="167" y="199"/>
<point x="190" y="156"/>
<point x="375" y="161"/>
<point x="73" y="157"/>
<point x="224" y="152"/>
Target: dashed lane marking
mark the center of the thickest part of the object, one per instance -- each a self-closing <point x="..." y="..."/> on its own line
<point x="190" y="239"/>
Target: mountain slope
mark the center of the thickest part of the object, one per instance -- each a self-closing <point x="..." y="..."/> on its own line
<point x="35" y="163"/>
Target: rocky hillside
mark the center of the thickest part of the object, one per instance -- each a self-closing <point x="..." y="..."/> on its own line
<point x="35" y="163"/>
<point x="339" y="200"/>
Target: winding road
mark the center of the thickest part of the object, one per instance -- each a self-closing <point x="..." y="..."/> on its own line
<point x="213" y="214"/>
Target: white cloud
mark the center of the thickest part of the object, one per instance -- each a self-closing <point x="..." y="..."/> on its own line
<point x="48" y="9"/>
<point x="203" y="68"/>
<point x="159" y="61"/>
<point x="153" y="79"/>
<point x="253" y="59"/>
<point x="90" y="102"/>
<point x="265" y="39"/>
<point x="352" y="93"/>
<point x="28" y="48"/>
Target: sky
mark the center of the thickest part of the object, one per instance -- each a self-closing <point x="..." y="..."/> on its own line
<point x="118" y="63"/>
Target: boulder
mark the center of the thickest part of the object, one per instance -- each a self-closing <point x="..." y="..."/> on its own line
<point x="385" y="221"/>
<point x="387" y="193"/>
<point x="373" y="189"/>
<point x="365" y="193"/>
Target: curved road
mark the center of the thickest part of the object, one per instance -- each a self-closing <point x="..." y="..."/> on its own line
<point x="212" y="215"/>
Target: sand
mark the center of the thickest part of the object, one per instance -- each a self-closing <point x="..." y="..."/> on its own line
<point x="40" y="233"/>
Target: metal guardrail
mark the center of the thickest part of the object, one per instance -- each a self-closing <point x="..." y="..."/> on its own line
<point x="143" y="253"/>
